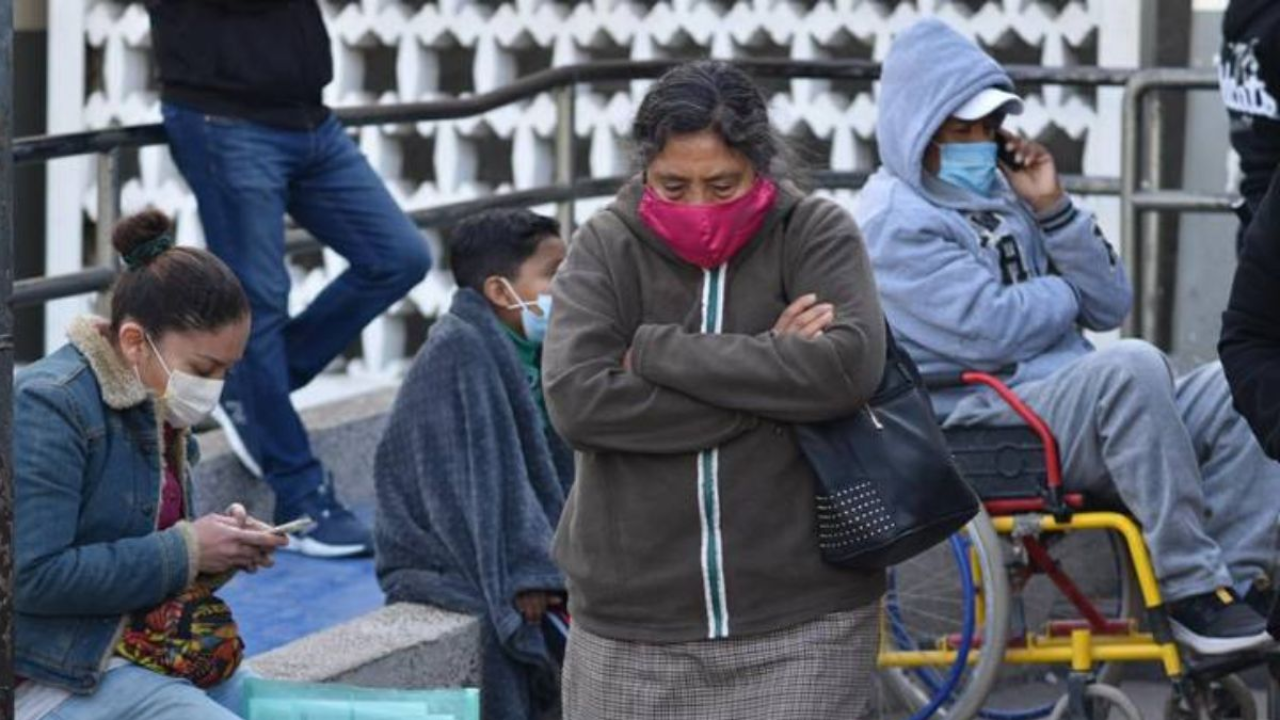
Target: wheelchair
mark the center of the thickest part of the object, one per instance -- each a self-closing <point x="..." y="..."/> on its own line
<point x="1032" y="609"/>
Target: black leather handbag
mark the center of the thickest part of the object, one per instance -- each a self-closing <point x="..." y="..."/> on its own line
<point x="888" y="487"/>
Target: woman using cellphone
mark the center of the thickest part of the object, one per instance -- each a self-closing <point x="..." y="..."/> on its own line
<point x="115" y="612"/>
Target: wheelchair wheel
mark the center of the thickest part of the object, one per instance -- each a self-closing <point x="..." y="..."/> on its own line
<point x="1099" y="564"/>
<point x="927" y="606"/>
<point x="1105" y="702"/>
<point x="1227" y="698"/>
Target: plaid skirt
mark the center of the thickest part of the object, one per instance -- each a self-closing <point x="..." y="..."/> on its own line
<point x="816" y="671"/>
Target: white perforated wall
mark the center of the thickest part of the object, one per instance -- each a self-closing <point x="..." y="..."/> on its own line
<point x="389" y="51"/>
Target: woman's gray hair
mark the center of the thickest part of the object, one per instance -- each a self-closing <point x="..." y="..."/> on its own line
<point x="711" y="95"/>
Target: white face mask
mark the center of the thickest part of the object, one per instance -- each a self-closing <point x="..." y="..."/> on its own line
<point x="187" y="399"/>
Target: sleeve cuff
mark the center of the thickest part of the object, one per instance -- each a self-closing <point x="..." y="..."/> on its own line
<point x="639" y="346"/>
<point x="533" y="582"/>
<point x="1058" y="216"/>
<point x="192" y="543"/>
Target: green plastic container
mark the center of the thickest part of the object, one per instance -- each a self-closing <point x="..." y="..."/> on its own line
<point x="280" y="700"/>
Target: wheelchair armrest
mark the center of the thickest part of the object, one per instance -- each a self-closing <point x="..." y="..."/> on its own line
<point x="1053" y="467"/>
<point x="942" y="380"/>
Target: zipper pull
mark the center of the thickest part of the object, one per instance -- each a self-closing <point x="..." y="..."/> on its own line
<point x="874" y="420"/>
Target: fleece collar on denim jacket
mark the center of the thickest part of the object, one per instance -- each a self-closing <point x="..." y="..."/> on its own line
<point x="121" y="388"/>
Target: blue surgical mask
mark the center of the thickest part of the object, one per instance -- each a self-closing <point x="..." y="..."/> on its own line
<point x="533" y="324"/>
<point x="968" y="165"/>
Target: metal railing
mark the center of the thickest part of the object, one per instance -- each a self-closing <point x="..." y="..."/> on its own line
<point x="1137" y="196"/>
<point x="1141" y="198"/>
<point x="107" y="144"/>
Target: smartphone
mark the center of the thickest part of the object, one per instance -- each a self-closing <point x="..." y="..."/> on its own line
<point x="1005" y="155"/>
<point x="295" y="526"/>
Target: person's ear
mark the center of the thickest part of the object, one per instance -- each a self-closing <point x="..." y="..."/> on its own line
<point x="932" y="158"/>
<point x="132" y="341"/>
<point x="496" y="292"/>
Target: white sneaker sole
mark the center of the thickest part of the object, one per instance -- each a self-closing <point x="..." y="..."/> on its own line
<point x="234" y="440"/>
<point x="1218" y="646"/>
<point x="314" y="548"/>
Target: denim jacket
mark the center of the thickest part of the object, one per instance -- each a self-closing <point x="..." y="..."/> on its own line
<point x="88" y="476"/>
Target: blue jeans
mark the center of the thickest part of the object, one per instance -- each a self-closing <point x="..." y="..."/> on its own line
<point x="246" y="177"/>
<point x="131" y="692"/>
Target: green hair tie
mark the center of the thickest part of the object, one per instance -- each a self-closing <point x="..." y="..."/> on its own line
<point x="142" y="255"/>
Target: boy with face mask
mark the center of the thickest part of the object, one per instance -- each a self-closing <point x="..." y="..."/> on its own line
<point x="986" y="264"/>
<point x="471" y="477"/>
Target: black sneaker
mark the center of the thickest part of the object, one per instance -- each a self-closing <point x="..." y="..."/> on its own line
<point x="338" y="533"/>
<point x="1261" y="597"/>
<point x="1217" y="623"/>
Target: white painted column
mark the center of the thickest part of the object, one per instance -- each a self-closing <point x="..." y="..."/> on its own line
<point x="66" y="181"/>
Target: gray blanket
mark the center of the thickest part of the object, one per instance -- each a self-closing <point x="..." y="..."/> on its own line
<point x="470" y="487"/>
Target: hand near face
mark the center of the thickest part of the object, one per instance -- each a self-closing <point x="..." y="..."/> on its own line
<point x="1035" y="180"/>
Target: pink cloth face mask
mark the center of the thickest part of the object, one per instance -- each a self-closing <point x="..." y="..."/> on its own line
<point x="709" y="235"/>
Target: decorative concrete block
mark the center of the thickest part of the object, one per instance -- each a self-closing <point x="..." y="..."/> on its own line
<point x="389" y="51"/>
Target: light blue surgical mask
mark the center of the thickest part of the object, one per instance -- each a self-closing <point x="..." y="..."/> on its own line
<point x="968" y="165"/>
<point x="533" y="324"/>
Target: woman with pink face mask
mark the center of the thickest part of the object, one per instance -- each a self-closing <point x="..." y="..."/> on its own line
<point x="707" y="310"/>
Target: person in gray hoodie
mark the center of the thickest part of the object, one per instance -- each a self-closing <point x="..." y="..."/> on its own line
<point x="983" y="262"/>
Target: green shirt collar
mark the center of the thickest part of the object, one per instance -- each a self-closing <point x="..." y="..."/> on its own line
<point x="530" y="356"/>
<point x="528" y="352"/>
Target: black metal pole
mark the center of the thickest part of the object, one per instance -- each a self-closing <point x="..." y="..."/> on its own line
<point x="6" y="360"/>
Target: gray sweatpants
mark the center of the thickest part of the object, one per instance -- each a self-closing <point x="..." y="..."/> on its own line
<point x="1173" y="451"/>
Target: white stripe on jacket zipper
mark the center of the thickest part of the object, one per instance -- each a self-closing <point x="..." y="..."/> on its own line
<point x="712" y="550"/>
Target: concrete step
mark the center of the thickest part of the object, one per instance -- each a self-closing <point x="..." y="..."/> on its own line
<point x="399" y="646"/>
<point x="299" y="596"/>
<point x="344" y="436"/>
<point x="318" y="620"/>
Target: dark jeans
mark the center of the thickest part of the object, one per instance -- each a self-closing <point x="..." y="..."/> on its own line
<point x="246" y="177"/>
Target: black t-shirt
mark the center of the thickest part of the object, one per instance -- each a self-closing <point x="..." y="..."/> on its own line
<point x="1249" y="77"/>
<point x="265" y="61"/>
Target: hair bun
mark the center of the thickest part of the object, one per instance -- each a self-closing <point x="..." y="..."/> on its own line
<point x="143" y="237"/>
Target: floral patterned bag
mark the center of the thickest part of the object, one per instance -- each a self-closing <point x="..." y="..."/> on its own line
<point x="191" y="635"/>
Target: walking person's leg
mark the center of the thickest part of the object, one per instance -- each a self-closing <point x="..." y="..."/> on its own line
<point x="240" y="173"/>
<point x="344" y="203"/>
